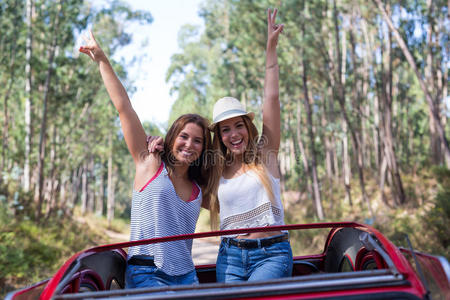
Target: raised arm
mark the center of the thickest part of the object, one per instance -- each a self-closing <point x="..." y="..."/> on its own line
<point x="271" y="105"/>
<point x="133" y="131"/>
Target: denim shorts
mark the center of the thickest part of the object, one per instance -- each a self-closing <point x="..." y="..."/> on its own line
<point x="254" y="264"/>
<point x="137" y="276"/>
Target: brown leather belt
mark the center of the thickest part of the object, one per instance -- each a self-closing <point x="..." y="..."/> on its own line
<point x="256" y="243"/>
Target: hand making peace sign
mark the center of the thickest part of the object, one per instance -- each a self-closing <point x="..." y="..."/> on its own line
<point x="92" y="49"/>
<point x="273" y="29"/>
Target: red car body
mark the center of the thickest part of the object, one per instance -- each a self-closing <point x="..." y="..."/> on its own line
<point x="357" y="262"/>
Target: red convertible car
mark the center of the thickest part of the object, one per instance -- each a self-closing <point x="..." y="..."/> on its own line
<point x="357" y="262"/>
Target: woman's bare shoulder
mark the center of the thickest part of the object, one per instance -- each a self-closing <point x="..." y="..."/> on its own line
<point x="146" y="169"/>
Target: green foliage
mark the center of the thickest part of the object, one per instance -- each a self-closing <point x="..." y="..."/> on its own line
<point x="231" y="63"/>
<point x="228" y="59"/>
<point x="304" y="242"/>
<point x="80" y="117"/>
<point x="307" y="242"/>
<point x="437" y="219"/>
<point x="80" y="120"/>
<point x="424" y="218"/>
<point x="418" y="226"/>
<point x="31" y="252"/>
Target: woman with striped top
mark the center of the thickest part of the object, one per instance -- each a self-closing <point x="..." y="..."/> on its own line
<point x="249" y="190"/>
<point x="169" y="186"/>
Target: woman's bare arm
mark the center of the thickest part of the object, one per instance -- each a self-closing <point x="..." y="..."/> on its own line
<point x="133" y="131"/>
<point x="271" y="105"/>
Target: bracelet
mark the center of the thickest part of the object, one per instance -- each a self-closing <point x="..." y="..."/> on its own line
<point x="272" y="66"/>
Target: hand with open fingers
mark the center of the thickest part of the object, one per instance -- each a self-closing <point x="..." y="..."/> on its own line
<point x="92" y="49"/>
<point x="273" y="29"/>
<point x="155" y="144"/>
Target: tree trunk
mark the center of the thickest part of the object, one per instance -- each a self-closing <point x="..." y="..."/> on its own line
<point x="28" y="99"/>
<point x="84" y="193"/>
<point x="382" y="179"/>
<point x="12" y="70"/>
<point x="328" y="150"/>
<point x="346" y="170"/>
<point x="444" y="117"/>
<point x="310" y="126"/>
<point x="76" y="178"/>
<point x="314" y="177"/>
<point x="335" y="159"/>
<point x="53" y="182"/>
<point x="5" y="135"/>
<point x="90" y="185"/>
<point x="327" y="144"/>
<point x="410" y="134"/>
<point x="341" y="99"/>
<point x="368" y="59"/>
<point x="433" y="109"/>
<point x="430" y="71"/>
<point x="100" y="192"/>
<point x="303" y="155"/>
<point x="332" y="118"/>
<point x="42" y="139"/>
<point x="386" y="88"/>
<point x="62" y="191"/>
<point x="110" y="200"/>
<point x="356" y="97"/>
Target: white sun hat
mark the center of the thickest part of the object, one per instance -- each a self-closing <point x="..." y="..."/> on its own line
<point x="227" y="108"/>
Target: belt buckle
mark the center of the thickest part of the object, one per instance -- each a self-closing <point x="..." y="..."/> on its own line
<point x="240" y="243"/>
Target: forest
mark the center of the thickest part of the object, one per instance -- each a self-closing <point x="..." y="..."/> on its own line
<point x="364" y="104"/>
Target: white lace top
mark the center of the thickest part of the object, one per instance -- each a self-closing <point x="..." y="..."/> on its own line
<point x="245" y="203"/>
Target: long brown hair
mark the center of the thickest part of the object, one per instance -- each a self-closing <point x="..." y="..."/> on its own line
<point x="202" y="169"/>
<point x="253" y="160"/>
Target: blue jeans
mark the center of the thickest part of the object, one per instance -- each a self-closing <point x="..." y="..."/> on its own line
<point x="254" y="264"/>
<point x="150" y="276"/>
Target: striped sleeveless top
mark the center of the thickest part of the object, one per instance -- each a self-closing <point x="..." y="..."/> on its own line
<point x="157" y="211"/>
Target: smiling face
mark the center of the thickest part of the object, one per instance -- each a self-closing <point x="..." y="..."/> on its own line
<point x="234" y="135"/>
<point x="188" y="144"/>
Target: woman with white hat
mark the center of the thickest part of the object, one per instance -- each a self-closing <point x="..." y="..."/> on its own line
<point x="249" y="190"/>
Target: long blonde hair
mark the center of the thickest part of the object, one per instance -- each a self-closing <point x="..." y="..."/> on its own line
<point x="253" y="160"/>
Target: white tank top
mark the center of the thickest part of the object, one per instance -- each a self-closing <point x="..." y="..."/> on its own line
<point x="245" y="203"/>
